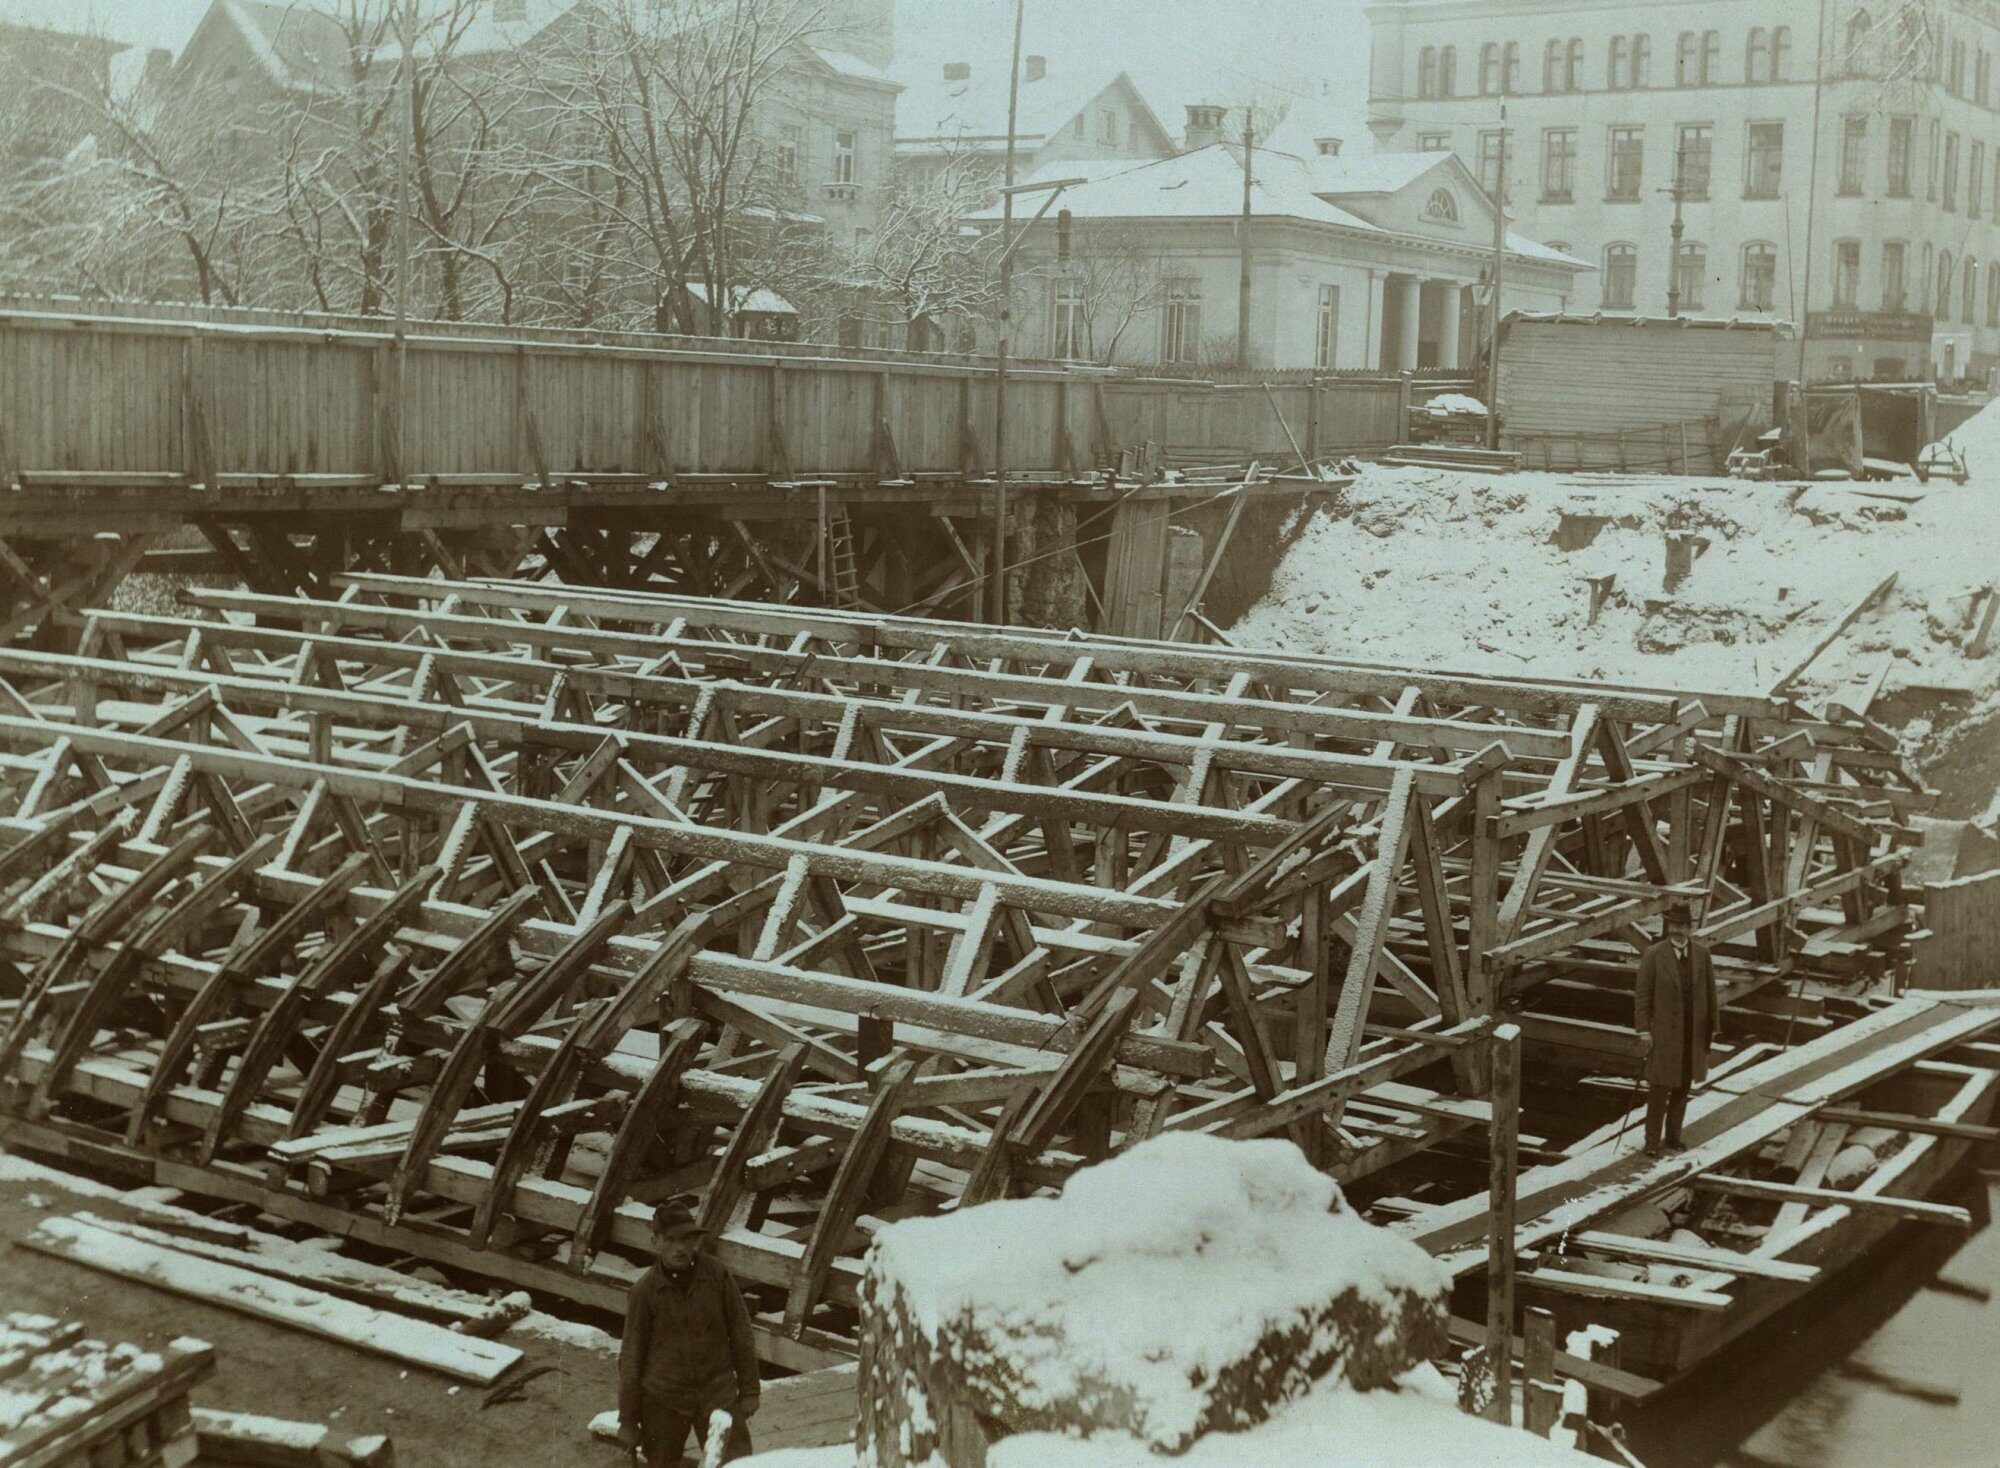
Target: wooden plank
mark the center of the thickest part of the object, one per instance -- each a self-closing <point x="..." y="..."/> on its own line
<point x="1910" y="1208"/>
<point x="400" y="1338"/>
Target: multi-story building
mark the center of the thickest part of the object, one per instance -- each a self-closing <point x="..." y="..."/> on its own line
<point x="1878" y="232"/>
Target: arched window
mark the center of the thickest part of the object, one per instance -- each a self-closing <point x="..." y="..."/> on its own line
<point x="1489" y="69"/>
<point x="1427" y="72"/>
<point x="1993" y="292"/>
<point x="1955" y="80"/>
<point x="1968" y="293"/>
<point x="1781" y="50"/>
<point x="1552" y="58"/>
<point x="1711" y="56"/>
<point x="1760" y="276"/>
<point x="1614" y="64"/>
<point x="1448" y="72"/>
<point x="1562" y="246"/>
<point x="1944" y="285"/>
<point x="1690" y="272"/>
<point x="1510" y="70"/>
<point x="1573" y="63"/>
<point x="1686" y="59"/>
<point x="1621" y="276"/>
<point x="1642" y="61"/>
<point x="1858" y="26"/>
<point x="1442" y="206"/>
<point x="1755" y="53"/>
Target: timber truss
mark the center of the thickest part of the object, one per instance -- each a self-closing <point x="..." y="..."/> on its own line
<point x="469" y="918"/>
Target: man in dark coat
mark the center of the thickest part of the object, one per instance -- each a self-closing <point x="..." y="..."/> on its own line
<point x="687" y="1351"/>
<point x="1674" y="1006"/>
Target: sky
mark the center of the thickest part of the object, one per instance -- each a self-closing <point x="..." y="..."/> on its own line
<point x="1286" y="51"/>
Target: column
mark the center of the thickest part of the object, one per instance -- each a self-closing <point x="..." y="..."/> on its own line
<point x="1452" y="302"/>
<point x="1410" y="324"/>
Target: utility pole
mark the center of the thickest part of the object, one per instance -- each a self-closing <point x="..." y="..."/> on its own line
<point x="406" y="84"/>
<point x="1679" y="192"/>
<point x="1243" y="254"/>
<point x="1499" y="271"/>
<point x="1812" y="191"/>
<point x="996" y="599"/>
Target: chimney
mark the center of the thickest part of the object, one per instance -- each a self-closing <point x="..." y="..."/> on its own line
<point x="958" y="71"/>
<point x="1204" y="126"/>
<point x="1034" y="68"/>
<point x="1328" y="147"/>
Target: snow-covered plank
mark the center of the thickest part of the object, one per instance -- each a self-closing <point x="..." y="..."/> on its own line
<point x="286" y="1303"/>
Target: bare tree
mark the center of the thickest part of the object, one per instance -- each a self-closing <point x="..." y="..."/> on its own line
<point x="651" y="119"/>
<point x="923" y="266"/>
<point x="1114" y="276"/>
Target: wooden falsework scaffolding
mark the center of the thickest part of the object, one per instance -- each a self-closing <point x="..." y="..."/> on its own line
<point x="471" y="918"/>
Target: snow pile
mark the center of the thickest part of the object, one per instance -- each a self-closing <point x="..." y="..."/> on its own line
<point x="1451" y="569"/>
<point x="1190" y="1285"/>
<point x="1447" y="404"/>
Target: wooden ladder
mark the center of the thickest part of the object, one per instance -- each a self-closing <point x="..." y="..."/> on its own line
<point x="842" y="573"/>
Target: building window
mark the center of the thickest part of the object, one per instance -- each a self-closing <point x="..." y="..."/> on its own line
<point x="1853" y="153"/>
<point x="1427" y="73"/>
<point x="787" y="153"/>
<point x="1687" y="58"/>
<point x="1993" y="292"/>
<point x="1510" y="72"/>
<point x="1615" y="70"/>
<point x="1955" y="84"/>
<point x="1894" y="295"/>
<point x="1448" y="72"/>
<point x="1760" y="276"/>
<point x="1975" y="181"/>
<point x="1180" y="323"/>
<point x="1642" y="61"/>
<point x="1066" y="324"/>
<point x="1552" y="55"/>
<point x="1490" y="146"/>
<point x="1327" y="343"/>
<point x="1626" y="159"/>
<point x="1107" y="125"/>
<point x="1489" y="69"/>
<point x="1943" y="310"/>
<point x="1711" y="57"/>
<point x="1846" y="274"/>
<point x="1858" y="27"/>
<point x="1931" y="169"/>
<point x="1982" y="86"/>
<point x="1694" y="155"/>
<point x="1902" y="132"/>
<point x="1558" y="165"/>
<point x="1765" y="159"/>
<point x="843" y="157"/>
<point x="1756" y="54"/>
<point x="1573" y="64"/>
<point x="1951" y="173"/>
<point x="1433" y="142"/>
<point x="1968" y="292"/>
<point x="1690" y="270"/>
<point x="1781" y="51"/>
<point x="1621" y="276"/>
<point x="1442" y="206"/>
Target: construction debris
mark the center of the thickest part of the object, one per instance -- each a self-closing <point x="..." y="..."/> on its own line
<point x="70" y="1402"/>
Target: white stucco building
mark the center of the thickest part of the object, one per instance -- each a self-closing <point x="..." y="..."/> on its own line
<point x="1366" y="261"/>
<point x="1882" y="241"/>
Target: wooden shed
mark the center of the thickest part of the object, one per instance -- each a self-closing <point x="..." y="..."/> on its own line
<point x="1633" y="392"/>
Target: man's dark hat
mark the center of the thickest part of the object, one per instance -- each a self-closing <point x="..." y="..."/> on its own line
<point x="1680" y="913"/>
<point x="673" y="1220"/>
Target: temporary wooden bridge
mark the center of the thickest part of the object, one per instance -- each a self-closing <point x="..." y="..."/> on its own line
<point x="470" y="918"/>
<point x="282" y="450"/>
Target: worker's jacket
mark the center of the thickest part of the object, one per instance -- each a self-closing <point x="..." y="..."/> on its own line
<point x="1675" y="1003"/>
<point x="687" y="1344"/>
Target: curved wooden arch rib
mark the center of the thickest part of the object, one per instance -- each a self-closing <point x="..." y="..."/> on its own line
<point x="649" y="1110"/>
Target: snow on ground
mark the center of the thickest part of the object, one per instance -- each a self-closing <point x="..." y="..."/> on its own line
<point x="1462" y="570"/>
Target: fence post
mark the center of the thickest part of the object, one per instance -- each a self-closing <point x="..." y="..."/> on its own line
<point x="1505" y="1095"/>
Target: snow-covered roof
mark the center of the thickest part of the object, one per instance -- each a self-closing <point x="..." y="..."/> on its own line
<point x="1203" y="184"/>
<point x="1370" y="173"/>
<point x="747" y="298"/>
<point x="847" y="64"/>
<point x="935" y="110"/>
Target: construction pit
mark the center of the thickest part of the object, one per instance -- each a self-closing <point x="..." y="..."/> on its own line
<point x="445" y="927"/>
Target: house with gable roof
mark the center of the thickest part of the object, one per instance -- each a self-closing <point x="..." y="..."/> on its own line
<point x="1373" y="261"/>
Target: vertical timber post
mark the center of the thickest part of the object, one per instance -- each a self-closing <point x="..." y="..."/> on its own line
<point x="1505" y="1132"/>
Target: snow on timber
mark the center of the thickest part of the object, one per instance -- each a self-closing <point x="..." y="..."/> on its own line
<point x="1455" y="569"/>
<point x="1157" y="1268"/>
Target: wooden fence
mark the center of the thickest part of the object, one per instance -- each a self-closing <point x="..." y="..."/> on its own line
<point x="1962" y="948"/>
<point x="249" y="394"/>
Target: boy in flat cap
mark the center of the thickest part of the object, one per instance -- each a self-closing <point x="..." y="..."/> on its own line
<point x="687" y="1351"/>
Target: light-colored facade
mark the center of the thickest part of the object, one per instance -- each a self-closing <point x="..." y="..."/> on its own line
<point x="1364" y="263"/>
<point x="1869" y="240"/>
